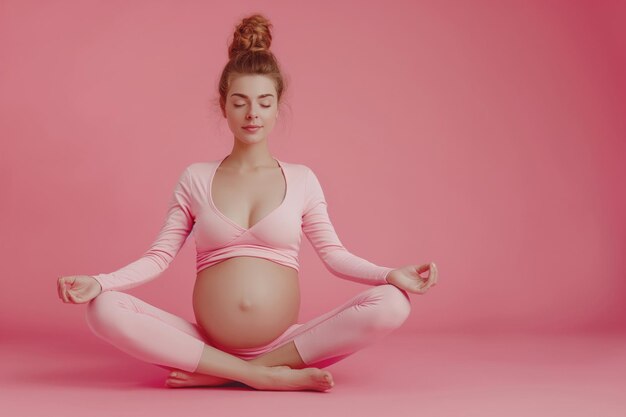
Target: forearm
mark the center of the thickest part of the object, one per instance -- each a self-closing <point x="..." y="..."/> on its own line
<point x="348" y="266"/>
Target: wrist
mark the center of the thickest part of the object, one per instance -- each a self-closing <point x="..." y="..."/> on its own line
<point x="389" y="277"/>
<point x="98" y="281"/>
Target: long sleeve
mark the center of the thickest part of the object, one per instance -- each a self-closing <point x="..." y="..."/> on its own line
<point x="173" y="234"/>
<point x="320" y="232"/>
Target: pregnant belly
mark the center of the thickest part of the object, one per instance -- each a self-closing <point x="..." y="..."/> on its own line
<point x="246" y="301"/>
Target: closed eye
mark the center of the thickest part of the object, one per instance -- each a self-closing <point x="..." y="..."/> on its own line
<point x="239" y="105"/>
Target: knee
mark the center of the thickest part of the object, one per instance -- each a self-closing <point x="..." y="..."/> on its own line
<point x="100" y="311"/>
<point x="395" y="306"/>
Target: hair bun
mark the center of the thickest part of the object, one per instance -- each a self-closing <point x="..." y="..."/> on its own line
<point x="252" y="34"/>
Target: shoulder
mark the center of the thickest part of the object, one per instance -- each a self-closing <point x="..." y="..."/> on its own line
<point x="296" y="168"/>
<point x="301" y="176"/>
<point x="308" y="174"/>
<point x="308" y="179"/>
<point x="195" y="173"/>
<point x="199" y="169"/>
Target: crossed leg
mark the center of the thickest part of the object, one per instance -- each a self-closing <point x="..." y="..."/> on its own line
<point x="171" y="342"/>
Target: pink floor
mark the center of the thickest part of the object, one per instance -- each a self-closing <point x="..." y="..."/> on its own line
<point x="423" y="374"/>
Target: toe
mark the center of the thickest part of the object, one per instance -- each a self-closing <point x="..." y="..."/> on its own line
<point x="324" y="380"/>
<point x="170" y="382"/>
<point x="179" y="375"/>
<point x="329" y="379"/>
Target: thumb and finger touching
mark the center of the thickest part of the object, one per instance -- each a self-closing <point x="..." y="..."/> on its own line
<point x="65" y="288"/>
<point x="432" y="276"/>
<point x="431" y="280"/>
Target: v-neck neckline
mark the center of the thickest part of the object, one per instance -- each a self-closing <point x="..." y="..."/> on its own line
<point x="228" y="219"/>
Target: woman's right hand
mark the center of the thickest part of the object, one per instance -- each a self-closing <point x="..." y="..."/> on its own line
<point x="78" y="289"/>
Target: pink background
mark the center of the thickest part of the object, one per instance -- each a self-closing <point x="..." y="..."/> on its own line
<point x="486" y="136"/>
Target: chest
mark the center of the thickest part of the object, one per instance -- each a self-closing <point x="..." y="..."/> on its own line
<point x="247" y="198"/>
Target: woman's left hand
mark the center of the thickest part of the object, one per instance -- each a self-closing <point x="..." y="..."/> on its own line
<point x="408" y="278"/>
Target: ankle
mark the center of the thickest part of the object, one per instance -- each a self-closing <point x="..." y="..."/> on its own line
<point x="260" y="376"/>
<point x="257" y="373"/>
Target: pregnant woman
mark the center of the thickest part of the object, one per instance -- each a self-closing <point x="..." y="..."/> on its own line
<point x="247" y="212"/>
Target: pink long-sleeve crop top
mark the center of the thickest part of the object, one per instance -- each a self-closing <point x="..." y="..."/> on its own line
<point x="275" y="237"/>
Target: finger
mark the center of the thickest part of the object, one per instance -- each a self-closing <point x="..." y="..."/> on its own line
<point x="431" y="283"/>
<point x="436" y="274"/>
<point x="432" y="277"/>
<point x="428" y="284"/>
<point x="64" y="292"/>
<point x="419" y="288"/>
<point x="72" y="297"/>
<point x="59" y="289"/>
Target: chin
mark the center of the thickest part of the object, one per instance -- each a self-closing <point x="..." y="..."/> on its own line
<point x="254" y="139"/>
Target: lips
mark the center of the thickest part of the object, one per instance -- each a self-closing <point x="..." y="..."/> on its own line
<point x="250" y="126"/>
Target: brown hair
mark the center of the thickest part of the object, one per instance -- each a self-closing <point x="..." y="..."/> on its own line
<point x="249" y="53"/>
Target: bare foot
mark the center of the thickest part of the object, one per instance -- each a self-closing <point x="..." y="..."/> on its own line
<point x="284" y="378"/>
<point x="275" y="378"/>
<point x="183" y="379"/>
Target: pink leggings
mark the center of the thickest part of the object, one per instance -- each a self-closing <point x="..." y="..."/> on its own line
<point x="164" y="339"/>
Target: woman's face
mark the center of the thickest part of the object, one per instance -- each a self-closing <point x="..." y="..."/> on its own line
<point x="251" y="100"/>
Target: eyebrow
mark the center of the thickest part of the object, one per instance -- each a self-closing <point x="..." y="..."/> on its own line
<point x="245" y="96"/>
